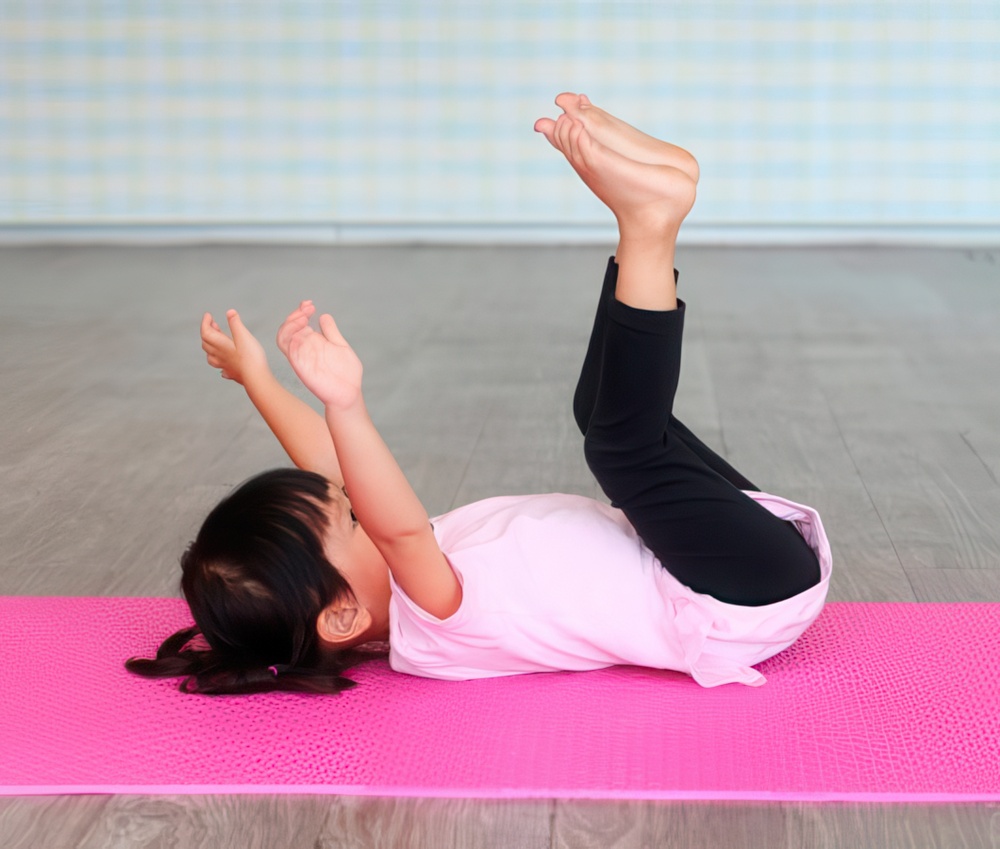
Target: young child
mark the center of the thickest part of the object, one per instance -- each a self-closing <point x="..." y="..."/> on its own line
<point x="691" y="569"/>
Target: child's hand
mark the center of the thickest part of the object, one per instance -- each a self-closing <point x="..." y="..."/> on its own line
<point x="324" y="361"/>
<point x="238" y="358"/>
<point x="295" y="321"/>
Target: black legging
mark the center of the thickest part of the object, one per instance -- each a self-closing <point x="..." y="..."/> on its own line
<point x="682" y="498"/>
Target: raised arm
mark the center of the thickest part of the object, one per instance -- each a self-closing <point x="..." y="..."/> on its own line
<point x="301" y="430"/>
<point x="382" y="498"/>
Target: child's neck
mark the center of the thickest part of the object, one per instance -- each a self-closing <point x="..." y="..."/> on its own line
<point x="366" y="571"/>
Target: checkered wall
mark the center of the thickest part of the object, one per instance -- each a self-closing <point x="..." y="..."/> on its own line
<point x="300" y="111"/>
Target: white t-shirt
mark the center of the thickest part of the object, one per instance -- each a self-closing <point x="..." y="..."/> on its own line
<point x="563" y="582"/>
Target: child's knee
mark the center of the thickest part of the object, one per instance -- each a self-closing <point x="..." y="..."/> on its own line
<point x="616" y="465"/>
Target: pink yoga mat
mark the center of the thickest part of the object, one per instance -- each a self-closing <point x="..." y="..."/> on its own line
<point x="885" y="702"/>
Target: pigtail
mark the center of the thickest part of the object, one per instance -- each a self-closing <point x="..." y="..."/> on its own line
<point x="223" y="681"/>
<point x="204" y="671"/>
<point x="174" y="657"/>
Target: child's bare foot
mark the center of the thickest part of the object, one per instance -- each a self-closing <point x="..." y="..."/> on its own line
<point x="627" y="140"/>
<point x="644" y="197"/>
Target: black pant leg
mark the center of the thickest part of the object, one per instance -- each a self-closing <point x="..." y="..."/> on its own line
<point x="590" y="374"/>
<point x="706" y="532"/>
<point x="677" y="430"/>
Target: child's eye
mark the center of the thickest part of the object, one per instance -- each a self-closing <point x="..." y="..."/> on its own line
<point x="354" y="519"/>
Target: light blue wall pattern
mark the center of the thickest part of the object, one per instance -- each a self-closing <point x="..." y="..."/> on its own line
<point x="299" y="111"/>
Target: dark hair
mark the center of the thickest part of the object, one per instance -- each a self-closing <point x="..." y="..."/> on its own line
<point x="256" y="579"/>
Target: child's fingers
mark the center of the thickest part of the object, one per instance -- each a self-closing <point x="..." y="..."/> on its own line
<point x="295" y="343"/>
<point x="236" y="325"/>
<point x="304" y="306"/>
<point x="304" y="310"/>
<point x="330" y="329"/>
<point x="211" y="333"/>
<point x="290" y="326"/>
<point x="291" y="335"/>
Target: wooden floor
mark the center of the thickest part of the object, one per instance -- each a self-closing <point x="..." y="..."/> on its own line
<point x="865" y="382"/>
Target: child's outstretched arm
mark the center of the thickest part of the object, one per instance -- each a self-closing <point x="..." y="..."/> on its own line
<point x="301" y="431"/>
<point x="382" y="498"/>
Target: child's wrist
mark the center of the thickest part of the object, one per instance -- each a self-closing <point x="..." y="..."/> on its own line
<point x="341" y="408"/>
<point x="258" y="378"/>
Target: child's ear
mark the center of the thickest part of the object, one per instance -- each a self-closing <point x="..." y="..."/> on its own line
<point x="342" y="622"/>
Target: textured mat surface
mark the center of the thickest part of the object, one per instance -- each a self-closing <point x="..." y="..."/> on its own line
<point x="876" y="702"/>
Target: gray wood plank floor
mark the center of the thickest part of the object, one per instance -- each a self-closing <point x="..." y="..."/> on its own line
<point x="863" y="381"/>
